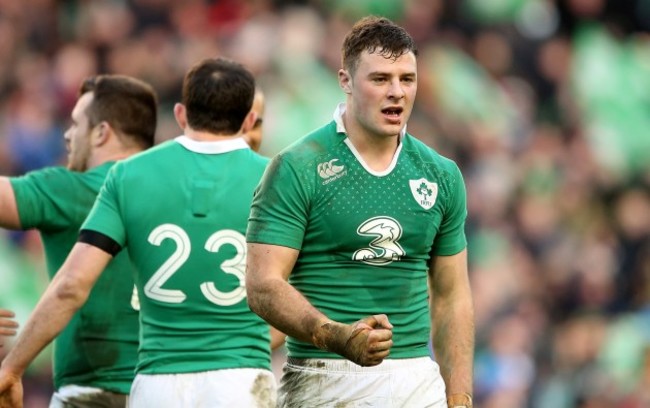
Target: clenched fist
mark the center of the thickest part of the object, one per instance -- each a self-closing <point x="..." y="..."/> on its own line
<point x="366" y="342"/>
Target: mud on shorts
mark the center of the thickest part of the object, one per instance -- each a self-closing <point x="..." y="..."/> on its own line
<point x="410" y="382"/>
<point x="77" y="396"/>
<point x="233" y="387"/>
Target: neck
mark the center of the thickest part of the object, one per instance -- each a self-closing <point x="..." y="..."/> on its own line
<point x="107" y="156"/>
<point x="377" y="151"/>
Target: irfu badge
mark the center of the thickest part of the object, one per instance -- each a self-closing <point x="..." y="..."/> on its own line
<point x="424" y="192"/>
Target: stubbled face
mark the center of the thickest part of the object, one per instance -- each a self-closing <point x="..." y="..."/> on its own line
<point x="381" y="93"/>
<point x="254" y="136"/>
<point x="77" y="137"/>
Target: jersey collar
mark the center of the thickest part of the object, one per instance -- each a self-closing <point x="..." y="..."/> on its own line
<point x="216" y="147"/>
<point x="340" y="128"/>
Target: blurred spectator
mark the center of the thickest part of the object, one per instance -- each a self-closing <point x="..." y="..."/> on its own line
<point x="543" y="103"/>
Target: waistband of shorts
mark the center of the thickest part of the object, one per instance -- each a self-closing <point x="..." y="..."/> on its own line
<point x="219" y="371"/>
<point x="343" y="365"/>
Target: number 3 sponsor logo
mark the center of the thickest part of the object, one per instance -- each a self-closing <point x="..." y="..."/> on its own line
<point x="384" y="249"/>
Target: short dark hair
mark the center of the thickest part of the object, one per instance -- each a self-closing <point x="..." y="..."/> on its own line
<point x="375" y="34"/>
<point x="218" y="94"/>
<point x="128" y="104"/>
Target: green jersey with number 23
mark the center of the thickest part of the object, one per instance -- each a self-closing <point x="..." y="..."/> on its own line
<point x="181" y="210"/>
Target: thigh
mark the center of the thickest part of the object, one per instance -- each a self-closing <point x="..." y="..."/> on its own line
<point x="306" y="387"/>
<point x="160" y="390"/>
<point x="101" y="399"/>
<point x="393" y="384"/>
<point x="420" y="385"/>
<point x="241" y="387"/>
<point x="244" y="388"/>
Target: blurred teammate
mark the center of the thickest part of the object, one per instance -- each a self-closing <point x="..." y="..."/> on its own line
<point x="181" y="209"/>
<point x="254" y="139"/>
<point x="346" y="228"/>
<point x="254" y="136"/>
<point x="94" y="356"/>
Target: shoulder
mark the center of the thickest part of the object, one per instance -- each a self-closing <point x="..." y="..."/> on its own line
<point x="311" y="147"/>
<point x="254" y="163"/>
<point x="428" y="156"/>
<point x="259" y="160"/>
<point x="52" y="177"/>
<point x="151" y="154"/>
<point x="144" y="159"/>
<point x="50" y="172"/>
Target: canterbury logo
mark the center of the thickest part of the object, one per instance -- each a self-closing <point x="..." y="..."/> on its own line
<point x="329" y="169"/>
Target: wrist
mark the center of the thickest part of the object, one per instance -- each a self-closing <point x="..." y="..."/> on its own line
<point x="7" y="370"/>
<point x="321" y="334"/>
<point x="462" y="400"/>
<point x="327" y="336"/>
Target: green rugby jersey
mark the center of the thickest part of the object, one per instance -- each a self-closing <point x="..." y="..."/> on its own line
<point x="365" y="238"/>
<point x="98" y="348"/>
<point x="181" y="209"/>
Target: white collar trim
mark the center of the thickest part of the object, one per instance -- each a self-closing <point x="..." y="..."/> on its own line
<point x="212" y="147"/>
<point x="340" y="128"/>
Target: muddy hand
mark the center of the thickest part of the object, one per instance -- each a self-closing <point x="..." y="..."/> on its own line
<point x="366" y="342"/>
<point x="370" y="341"/>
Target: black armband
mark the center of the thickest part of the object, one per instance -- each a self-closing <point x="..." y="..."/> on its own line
<point x="99" y="240"/>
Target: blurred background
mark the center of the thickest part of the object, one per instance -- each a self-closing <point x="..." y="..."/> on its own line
<point x="544" y="104"/>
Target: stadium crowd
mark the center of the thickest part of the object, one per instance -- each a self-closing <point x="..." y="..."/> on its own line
<point x="544" y="105"/>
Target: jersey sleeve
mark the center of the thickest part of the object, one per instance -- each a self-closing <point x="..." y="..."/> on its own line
<point x="451" y="239"/>
<point x="41" y="196"/>
<point x="105" y="216"/>
<point x="280" y="207"/>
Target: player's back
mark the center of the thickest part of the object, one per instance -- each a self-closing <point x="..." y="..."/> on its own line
<point x="185" y="206"/>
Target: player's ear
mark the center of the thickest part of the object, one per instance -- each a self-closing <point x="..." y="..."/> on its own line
<point x="180" y="114"/>
<point x="345" y="81"/>
<point x="102" y="133"/>
<point x="249" y="122"/>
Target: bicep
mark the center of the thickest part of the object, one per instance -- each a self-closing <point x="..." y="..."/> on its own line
<point x="81" y="269"/>
<point x="9" y="217"/>
<point x="270" y="261"/>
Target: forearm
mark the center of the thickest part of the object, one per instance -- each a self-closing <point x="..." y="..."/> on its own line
<point x="453" y="342"/>
<point x="51" y="315"/>
<point x="286" y="309"/>
<point x="273" y="298"/>
<point x="365" y="342"/>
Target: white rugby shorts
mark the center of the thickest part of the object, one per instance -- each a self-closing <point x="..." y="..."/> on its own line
<point x="408" y="383"/>
<point x="236" y="387"/>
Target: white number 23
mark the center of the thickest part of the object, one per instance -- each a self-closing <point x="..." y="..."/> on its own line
<point x="234" y="266"/>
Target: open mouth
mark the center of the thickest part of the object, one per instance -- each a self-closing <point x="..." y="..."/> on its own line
<point x="393" y="112"/>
